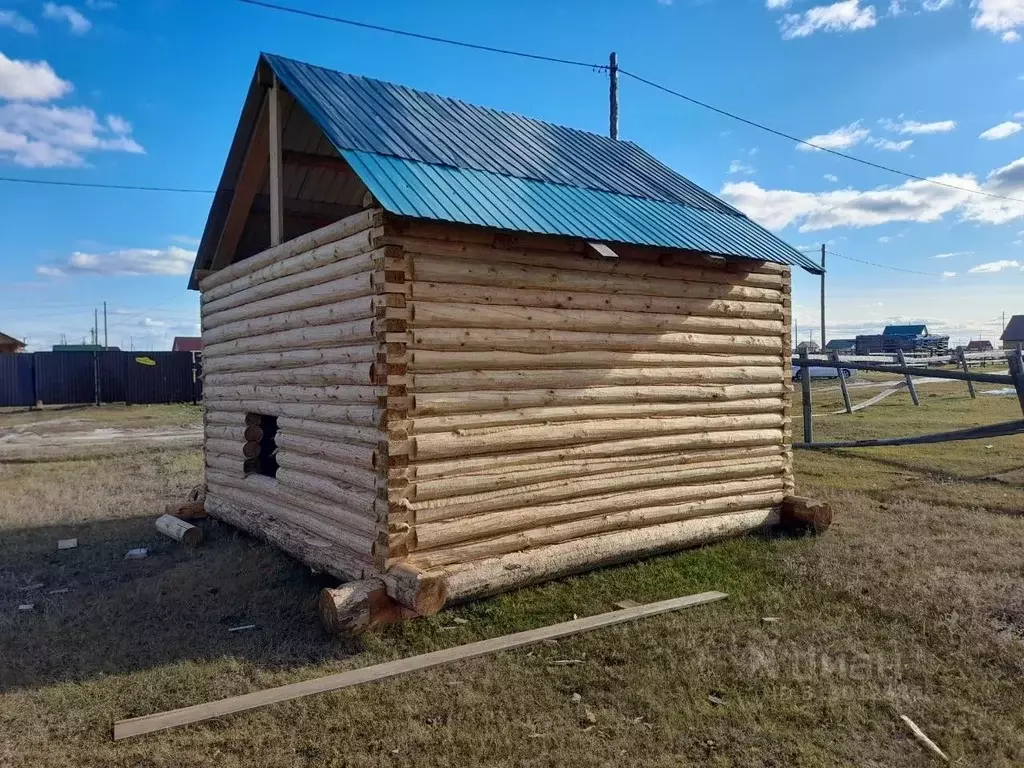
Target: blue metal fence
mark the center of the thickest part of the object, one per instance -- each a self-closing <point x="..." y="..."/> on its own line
<point x="71" y="378"/>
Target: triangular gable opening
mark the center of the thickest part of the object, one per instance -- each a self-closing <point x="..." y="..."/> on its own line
<point x="318" y="187"/>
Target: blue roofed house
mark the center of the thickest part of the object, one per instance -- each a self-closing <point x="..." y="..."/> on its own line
<point x="458" y="350"/>
<point x="905" y="330"/>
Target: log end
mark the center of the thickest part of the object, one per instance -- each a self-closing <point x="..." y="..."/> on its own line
<point x="357" y="606"/>
<point x="422" y="593"/>
<point x="801" y="512"/>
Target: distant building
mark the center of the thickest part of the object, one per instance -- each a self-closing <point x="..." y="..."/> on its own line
<point x="910" y="339"/>
<point x="9" y="344"/>
<point x="841" y="345"/>
<point x="187" y="344"/>
<point x="979" y="345"/>
<point x="1013" y="334"/>
<point x="810" y="347"/>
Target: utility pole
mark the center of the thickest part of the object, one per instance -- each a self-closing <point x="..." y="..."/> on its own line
<point x="104" y="325"/>
<point x="822" y="297"/>
<point x="95" y="327"/>
<point x="613" y="95"/>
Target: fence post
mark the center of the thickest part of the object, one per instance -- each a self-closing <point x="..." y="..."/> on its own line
<point x="96" y="376"/>
<point x="963" y="364"/>
<point x="906" y="371"/>
<point x="805" y="388"/>
<point x="1017" y="372"/>
<point x="842" y="383"/>
<point x="35" y="380"/>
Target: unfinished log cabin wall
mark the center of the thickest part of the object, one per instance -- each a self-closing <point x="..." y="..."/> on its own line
<point x="290" y="345"/>
<point x="558" y="412"/>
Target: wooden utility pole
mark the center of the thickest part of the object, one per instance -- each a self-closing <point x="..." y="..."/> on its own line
<point x="613" y="95"/>
<point x="822" y="297"/>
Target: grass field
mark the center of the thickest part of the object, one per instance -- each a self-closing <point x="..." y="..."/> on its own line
<point x="913" y="603"/>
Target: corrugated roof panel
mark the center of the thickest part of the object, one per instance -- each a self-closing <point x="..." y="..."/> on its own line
<point x="369" y="115"/>
<point x="465" y="196"/>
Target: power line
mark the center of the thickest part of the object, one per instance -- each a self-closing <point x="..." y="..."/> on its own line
<point x="421" y="36"/>
<point x="886" y="266"/>
<point x="91" y="185"/>
<point x="806" y="143"/>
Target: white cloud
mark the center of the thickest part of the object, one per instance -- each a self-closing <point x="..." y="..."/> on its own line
<point x="738" y="166"/>
<point x="775" y="5"/>
<point x="49" y="136"/>
<point x="844" y="16"/>
<point x="917" y="201"/>
<point x="998" y="15"/>
<point x="936" y="5"/>
<point x="1001" y="131"/>
<point x="951" y="254"/>
<point x="100" y="5"/>
<point x="916" y="128"/>
<point x="895" y="8"/>
<point x="30" y="81"/>
<point x="1010" y="36"/>
<point x="995" y="266"/>
<point x="885" y="239"/>
<point x="891" y="146"/>
<point x="841" y="138"/>
<point x="17" y="22"/>
<point x="78" y="24"/>
<point x="131" y="261"/>
<point x="830" y="177"/>
<point x="186" y="240"/>
<point x="949" y="274"/>
<point x="150" y="323"/>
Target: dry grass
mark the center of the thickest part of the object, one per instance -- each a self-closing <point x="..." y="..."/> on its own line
<point x="913" y="603"/>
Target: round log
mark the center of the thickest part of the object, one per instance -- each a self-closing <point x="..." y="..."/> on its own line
<point x="501" y="439"/>
<point x="299" y="358"/>
<point x="458" y="291"/>
<point x="495" y="273"/>
<point x="572" y="413"/>
<point x="179" y="530"/>
<point x="360" y="415"/>
<point x="350" y="287"/>
<point x="291" y="393"/>
<point x="428" y="360"/>
<point x="330" y="314"/>
<point x="362" y="478"/>
<point x="499" y="574"/>
<point x="469" y="381"/>
<point x="302" y="538"/>
<point x="423" y="593"/>
<point x="346" y="237"/>
<point x="444" y="403"/>
<point x="311" y="275"/>
<point x="565" y="520"/>
<point x="330" y="335"/>
<point x="356" y="606"/>
<point x="342" y="433"/>
<point x="455" y="315"/>
<point x="800" y="512"/>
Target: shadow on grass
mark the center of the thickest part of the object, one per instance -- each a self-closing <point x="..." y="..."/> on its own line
<point x="118" y="616"/>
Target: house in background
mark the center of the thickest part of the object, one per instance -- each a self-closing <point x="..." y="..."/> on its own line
<point x="979" y="345"/>
<point x="841" y="345"/>
<point x="9" y="344"/>
<point x="911" y="339"/>
<point x="810" y="347"/>
<point x="1013" y="334"/>
<point x="187" y="344"/>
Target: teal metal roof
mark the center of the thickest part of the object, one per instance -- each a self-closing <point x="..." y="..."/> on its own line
<point x="432" y="157"/>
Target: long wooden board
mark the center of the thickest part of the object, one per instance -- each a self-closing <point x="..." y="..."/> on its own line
<point x="137" y="726"/>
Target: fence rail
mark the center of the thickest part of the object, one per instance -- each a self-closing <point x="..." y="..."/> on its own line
<point x="76" y="378"/>
<point x="1015" y="379"/>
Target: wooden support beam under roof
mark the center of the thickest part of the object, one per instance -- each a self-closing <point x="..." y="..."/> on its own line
<point x="313" y="160"/>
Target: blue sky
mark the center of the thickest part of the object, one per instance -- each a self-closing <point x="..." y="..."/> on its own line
<point x="148" y="92"/>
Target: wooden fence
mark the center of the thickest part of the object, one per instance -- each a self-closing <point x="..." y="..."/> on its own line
<point x="1015" y="379"/>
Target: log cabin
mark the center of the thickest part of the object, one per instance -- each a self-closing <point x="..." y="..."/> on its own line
<point x="451" y="351"/>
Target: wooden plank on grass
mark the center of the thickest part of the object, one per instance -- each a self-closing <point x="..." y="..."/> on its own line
<point x="137" y="726"/>
<point x="1002" y="429"/>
